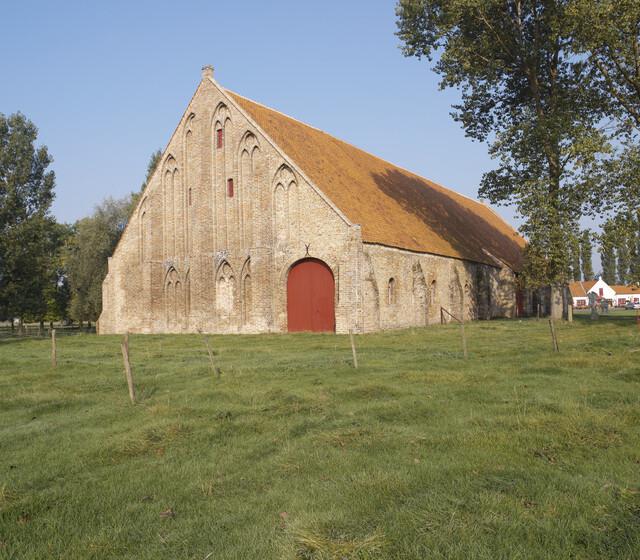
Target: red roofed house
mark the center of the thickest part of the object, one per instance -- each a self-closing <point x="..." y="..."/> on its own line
<point x="616" y="295"/>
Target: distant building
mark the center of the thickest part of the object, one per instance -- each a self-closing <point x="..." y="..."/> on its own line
<point x="616" y="295"/>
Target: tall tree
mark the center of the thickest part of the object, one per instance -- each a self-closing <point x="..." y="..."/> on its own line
<point x="154" y="160"/>
<point x="623" y="256"/>
<point x="607" y="36"/>
<point x="608" y="242"/>
<point x="88" y="251"/>
<point x="57" y="293"/>
<point x="608" y="32"/>
<point x="586" y="255"/>
<point x="575" y="270"/>
<point x="27" y="236"/>
<point x="523" y="91"/>
<point x="634" y="264"/>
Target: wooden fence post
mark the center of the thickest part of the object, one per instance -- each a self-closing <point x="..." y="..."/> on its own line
<point x="210" y="352"/>
<point x="127" y="367"/>
<point x="464" y="341"/>
<point x="353" y="349"/>
<point x="54" y="354"/>
<point x="554" y="337"/>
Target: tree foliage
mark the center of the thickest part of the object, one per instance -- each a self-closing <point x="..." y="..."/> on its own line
<point x="523" y="91"/>
<point x="620" y="249"/>
<point x="607" y="33"/>
<point x="586" y="255"/>
<point x="87" y="254"/>
<point x="575" y="62"/>
<point x="29" y="238"/>
<point x="608" y="242"/>
<point x="154" y="160"/>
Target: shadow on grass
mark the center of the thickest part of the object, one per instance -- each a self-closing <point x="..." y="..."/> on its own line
<point x="619" y="318"/>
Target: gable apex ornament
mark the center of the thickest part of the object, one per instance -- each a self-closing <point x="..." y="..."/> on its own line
<point x="207" y="71"/>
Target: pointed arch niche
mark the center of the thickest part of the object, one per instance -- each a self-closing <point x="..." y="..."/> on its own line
<point x="225" y="290"/>
<point x="250" y="171"/>
<point x="143" y="232"/>
<point x="285" y="206"/>
<point x="420" y="296"/>
<point x="247" y="293"/>
<point x="455" y="297"/>
<point x="190" y="167"/>
<point x="173" y="211"/>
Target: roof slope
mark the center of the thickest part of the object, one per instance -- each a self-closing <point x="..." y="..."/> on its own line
<point x="621" y="289"/>
<point x="580" y="288"/>
<point x="393" y="206"/>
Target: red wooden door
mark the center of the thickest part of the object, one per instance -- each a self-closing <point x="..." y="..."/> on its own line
<point x="310" y="297"/>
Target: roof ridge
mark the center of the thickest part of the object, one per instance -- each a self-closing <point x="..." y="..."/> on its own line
<point x="445" y="189"/>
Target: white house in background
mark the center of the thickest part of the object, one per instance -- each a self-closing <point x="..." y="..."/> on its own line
<point x="616" y="295"/>
<point x="625" y="294"/>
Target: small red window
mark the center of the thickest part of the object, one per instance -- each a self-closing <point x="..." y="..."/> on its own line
<point x="601" y="291"/>
<point x="230" y="188"/>
<point x="219" y="138"/>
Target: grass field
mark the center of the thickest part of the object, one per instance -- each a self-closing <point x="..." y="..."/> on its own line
<point x="293" y="454"/>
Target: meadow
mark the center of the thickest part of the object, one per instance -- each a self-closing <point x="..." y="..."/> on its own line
<point x="292" y="453"/>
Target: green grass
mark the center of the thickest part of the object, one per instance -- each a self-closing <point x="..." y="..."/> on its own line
<point x="293" y="454"/>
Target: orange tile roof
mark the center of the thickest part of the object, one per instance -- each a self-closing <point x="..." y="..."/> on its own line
<point x="393" y="206"/>
<point x="580" y="288"/>
<point x="619" y="289"/>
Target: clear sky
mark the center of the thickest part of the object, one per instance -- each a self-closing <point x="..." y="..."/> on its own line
<point x="107" y="82"/>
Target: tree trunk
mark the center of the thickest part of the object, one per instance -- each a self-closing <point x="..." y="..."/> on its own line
<point x="557" y="302"/>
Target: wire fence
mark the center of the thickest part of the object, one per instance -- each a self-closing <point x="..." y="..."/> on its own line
<point x="35" y="331"/>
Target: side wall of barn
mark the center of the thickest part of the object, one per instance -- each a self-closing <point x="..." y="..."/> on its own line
<point x="403" y="289"/>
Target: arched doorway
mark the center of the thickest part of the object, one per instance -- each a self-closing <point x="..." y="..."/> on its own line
<point x="310" y="297"/>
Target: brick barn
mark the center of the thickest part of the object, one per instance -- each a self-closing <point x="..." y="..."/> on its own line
<point x="256" y="222"/>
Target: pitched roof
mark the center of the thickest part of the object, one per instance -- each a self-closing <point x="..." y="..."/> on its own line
<point x="580" y="288"/>
<point x="623" y="290"/>
<point x="394" y="207"/>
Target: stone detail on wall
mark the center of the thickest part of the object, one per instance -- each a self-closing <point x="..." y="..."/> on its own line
<point x="420" y="296"/>
<point x="285" y="207"/>
<point x="225" y="291"/>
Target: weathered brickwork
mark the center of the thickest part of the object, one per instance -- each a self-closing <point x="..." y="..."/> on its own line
<point x="225" y="216"/>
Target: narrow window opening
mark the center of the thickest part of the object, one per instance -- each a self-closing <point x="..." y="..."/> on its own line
<point x="189" y="196"/>
<point x="219" y="138"/>
<point x="391" y="291"/>
<point x="230" y="188"/>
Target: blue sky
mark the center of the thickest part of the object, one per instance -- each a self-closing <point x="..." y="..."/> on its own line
<point x="107" y="82"/>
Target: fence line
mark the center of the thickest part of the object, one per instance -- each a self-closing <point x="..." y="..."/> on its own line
<point x="34" y="331"/>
